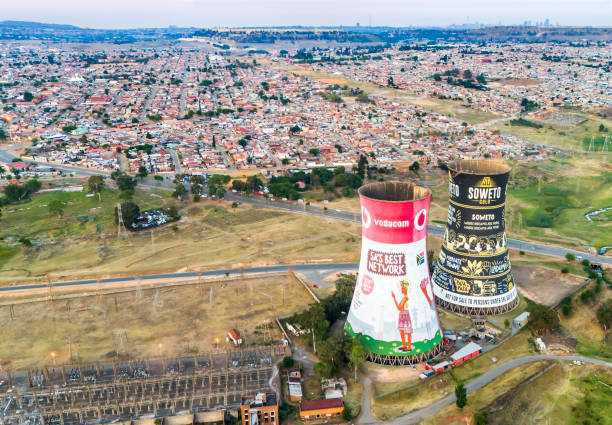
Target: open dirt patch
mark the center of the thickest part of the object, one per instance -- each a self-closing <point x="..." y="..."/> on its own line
<point x="545" y="286"/>
<point x="331" y="80"/>
<point x="519" y="82"/>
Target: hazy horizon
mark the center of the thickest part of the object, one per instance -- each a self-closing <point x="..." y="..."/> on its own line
<point x="116" y="14"/>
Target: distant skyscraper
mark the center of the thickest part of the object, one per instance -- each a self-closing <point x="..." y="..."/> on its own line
<point x="357" y="23"/>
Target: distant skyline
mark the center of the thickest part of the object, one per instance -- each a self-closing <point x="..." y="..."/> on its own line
<point x="236" y="13"/>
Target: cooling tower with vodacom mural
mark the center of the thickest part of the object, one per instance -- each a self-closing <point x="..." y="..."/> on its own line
<point x="393" y="307"/>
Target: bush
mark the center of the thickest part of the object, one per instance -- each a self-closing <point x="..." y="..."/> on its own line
<point x="542" y="319"/>
<point x="288" y="362"/>
<point x="347" y="413"/>
<point x="539" y="219"/>
<point x="461" y="395"/>
<point x="566" y="306"/>
<point x="587" y="295"/>
<point x="481" y="418"/>
<point x="570" y="257"/>
<point x="564" y="270"/>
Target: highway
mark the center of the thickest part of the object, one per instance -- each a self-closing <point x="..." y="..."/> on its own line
<point x="300" y="268"/>
<point x="420" y="415"/>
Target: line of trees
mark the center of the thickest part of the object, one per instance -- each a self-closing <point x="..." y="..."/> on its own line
<point x="17" y="193"/>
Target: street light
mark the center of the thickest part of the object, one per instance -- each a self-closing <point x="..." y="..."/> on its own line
<point x="53" y="354"/>
<point x="160" y="349"/>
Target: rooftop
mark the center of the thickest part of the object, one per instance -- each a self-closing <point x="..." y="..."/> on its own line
<point x="320" y="404"/>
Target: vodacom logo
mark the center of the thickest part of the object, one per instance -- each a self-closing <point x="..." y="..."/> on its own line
<point x="420" y="220"/>
<point x="366" y="220"/>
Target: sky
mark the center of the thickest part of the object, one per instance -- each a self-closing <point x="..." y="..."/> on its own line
<point x="236" y="13"/>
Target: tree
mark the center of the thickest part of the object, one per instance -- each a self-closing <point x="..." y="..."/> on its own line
<point x="142" y="172"/>
<point x="528" y="105"/>
<point x="124" y="182"/>
<point x="27" y="96"/>
<point x="542" y="319"/>
<point x="2" y="134"/>
<point x="288" y="362"/>
<point x="130" y="212"/>
<point x="14" y="192"/>
<point x="242" y="142"/>
<point x="196" y="184"/>
<point x="295" y="129"/>
<point x="314" y="151"/>
<point x="461" y="395"/>
<point x="95" y="184"/>
<point x="220" y="192"/>
<point x="414" y="166"/>
<point x="570" y="257"/>
<point x="361" y="166"/>
<point x="56" y="207"/>
<point x="566" y="306"/>
<point x="604" y="314"/>
<point x="358" y="354"/>
<point x="323" y="370"/>
<point x="314" y="320"/>
<point x="32" y="186"/>
<point x="253" y="184"/>
<point x="179" y="191"/>
<point x="234" y="206"/>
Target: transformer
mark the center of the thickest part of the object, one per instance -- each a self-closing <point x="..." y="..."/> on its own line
<point x="472" y="274"/>
<point x="393" y="308"/>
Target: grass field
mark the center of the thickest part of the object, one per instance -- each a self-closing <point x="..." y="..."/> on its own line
<point x="414" y="396"/>
<point x="488" y="394"/>
<point x="133" y="324"/>
<point x="563" y="402"/>
<point x="209" y="235"/>
<point x="566" y="137"/>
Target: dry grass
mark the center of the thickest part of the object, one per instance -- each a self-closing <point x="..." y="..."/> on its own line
<point x="419" y="395"/>
<point x="132" y="324"/>
<point x="210" y="235"/>
<point x="486" y="395"/>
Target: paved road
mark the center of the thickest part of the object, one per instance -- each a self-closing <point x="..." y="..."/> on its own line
<point x="477" y="383"/>
<point x="300" y="268"/>
<point x="531" y="247"/>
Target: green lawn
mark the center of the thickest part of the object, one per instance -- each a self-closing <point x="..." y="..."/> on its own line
<point x="566" y="137"/>
<point x="548" y="201"/>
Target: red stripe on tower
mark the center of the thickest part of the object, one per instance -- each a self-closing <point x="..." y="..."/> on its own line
<point x="394" y="222"/>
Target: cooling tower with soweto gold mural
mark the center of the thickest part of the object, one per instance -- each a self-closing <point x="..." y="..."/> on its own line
<point x="393" y="307"/>
<point x="472" y="274"/>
